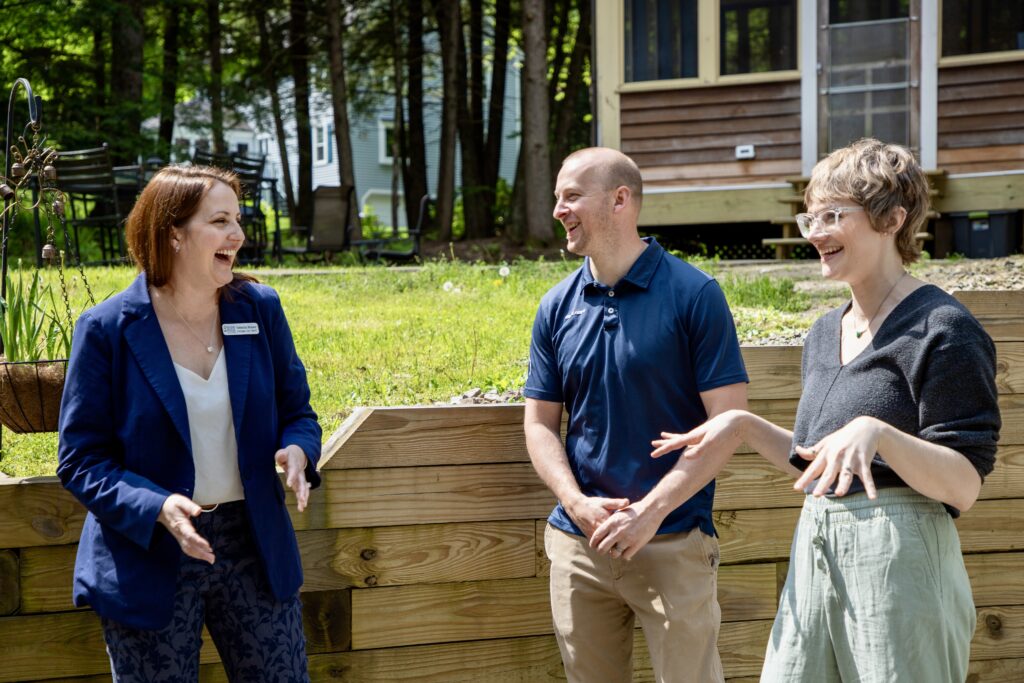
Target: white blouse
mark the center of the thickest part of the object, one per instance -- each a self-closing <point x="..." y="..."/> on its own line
<point x="210" y="424"/>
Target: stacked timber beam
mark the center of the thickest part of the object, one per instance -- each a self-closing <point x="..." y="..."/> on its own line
<point x="424" y="557"/>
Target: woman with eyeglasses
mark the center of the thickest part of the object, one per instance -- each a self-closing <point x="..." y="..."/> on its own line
<point x="895" y="431"/>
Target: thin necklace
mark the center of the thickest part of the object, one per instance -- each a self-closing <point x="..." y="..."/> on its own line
<point x="213" y="332"/>
<point x="859" y="333"/>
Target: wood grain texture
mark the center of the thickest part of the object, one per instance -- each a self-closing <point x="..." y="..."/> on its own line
<point x="702" y="96"/>
<point x="999" y="634"/>
<point x="1000" y="313"/>
<point x="416" y="615"/>
<point x="46" y="576"/>
<point x="10" y="582"/>
<point x="996" y="671"/>
<point x="38" y="511"/>
<point x="418" y="554"/>
<point x="996" y="578"/>
<point x="394" y="437"/>
<point x="413" y="615"/>
<point x="427" y="495"/>
<point x="992" y="526"/>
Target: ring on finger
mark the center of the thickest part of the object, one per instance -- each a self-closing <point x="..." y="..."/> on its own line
<point x="848" y="470"/>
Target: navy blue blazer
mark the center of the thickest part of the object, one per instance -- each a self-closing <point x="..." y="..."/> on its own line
<point x="125" y="446"/>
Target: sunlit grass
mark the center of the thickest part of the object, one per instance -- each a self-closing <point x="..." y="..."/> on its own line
<point x="382" y="336"/>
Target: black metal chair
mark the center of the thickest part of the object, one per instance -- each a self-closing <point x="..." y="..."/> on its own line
<point x="331" y="227"/>
<point x="397" y="247"/>
<point x="86" y="176"/>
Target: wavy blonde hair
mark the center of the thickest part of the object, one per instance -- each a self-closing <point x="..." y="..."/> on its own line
<point x="879" y="177"/>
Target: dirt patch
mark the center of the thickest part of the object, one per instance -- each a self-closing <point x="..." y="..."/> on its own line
<point x="493" y="251"/>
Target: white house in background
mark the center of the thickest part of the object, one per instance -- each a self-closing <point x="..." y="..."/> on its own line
<point x="371" y="150"/>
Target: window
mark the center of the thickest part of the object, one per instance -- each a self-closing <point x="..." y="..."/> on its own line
<point x="242" y="148"/>
<point x="757" y="36"/>
<point x="661" y="39"/>
<point x="867" y="72"/>
<point x="264" y="146"/>
<point x="976" y="26"/>
<point x="330" y="143"/>
<point x="319" y="146"/>
<point x="708" y="39"/>
<point x="385" y="139"/>
<point x="849" y="11"/>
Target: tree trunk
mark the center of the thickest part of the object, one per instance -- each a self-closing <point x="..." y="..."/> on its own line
<point x="470" y="118"/>
<point x="398" y="131"/>
<point x="127" y="40"/>
<point x="216" y="76"/>
<point x="270" y="82"/>
<point x="536" y="165"/>
<point x="496" y="100"/>
<point x="99" y="65"/>
<point x="339" y="103"/>
<point x="299" y="50"/>
<point x="414" y="148"/>
<point x="565" y="110"/>
<point x="169" y="80"/>
<point x="449" y="23"/>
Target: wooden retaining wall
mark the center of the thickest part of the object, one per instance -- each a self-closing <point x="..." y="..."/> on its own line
<point x="424" y="558"/>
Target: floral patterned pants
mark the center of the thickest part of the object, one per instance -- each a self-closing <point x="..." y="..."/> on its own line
<point x="258" y="637"/>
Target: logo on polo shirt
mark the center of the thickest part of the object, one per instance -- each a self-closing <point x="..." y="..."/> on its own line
<point x="569" y="315"/>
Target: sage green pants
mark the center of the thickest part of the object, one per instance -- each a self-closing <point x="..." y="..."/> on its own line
<point x="876" y="592"/>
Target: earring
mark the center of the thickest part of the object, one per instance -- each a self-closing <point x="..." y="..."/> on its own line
<point x="177" y="248"/>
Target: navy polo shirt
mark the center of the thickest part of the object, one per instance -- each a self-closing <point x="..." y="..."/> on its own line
<point x="629" y="362"/>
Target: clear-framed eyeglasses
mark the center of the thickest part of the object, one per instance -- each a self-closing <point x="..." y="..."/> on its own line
<point x="827" y="220"/>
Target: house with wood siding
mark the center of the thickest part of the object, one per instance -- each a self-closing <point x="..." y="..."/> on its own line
<point x="726" y="105"/>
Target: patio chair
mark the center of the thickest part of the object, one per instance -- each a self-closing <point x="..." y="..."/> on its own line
<point x="86" y="176"/>
<point x="397" y="247"/>
<point x="330" y="230"/>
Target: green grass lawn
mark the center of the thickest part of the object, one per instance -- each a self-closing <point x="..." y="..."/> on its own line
<point x="381" y="336"/>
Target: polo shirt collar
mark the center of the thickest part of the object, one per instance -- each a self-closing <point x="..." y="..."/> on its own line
<point x="639" y="274"/>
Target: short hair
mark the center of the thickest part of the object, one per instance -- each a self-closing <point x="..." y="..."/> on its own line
<point x="616" y="169"/>
<point x="169" y="200"/>
<point x="879" y="177"/>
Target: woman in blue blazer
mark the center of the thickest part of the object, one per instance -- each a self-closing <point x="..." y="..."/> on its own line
<point x="183" y="392"/>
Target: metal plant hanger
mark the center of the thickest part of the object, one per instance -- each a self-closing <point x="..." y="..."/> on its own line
<point x="29" y="184"/>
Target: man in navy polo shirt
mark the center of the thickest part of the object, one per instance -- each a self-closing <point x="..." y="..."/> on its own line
<point x="634" y="343"/>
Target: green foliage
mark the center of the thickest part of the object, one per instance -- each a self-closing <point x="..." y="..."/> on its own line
<point x="30" y="326"/>
<point x="764" y="292"/>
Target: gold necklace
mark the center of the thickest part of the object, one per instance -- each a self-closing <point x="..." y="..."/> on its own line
<point x="213" y="332"/>
<point x="859" y="333"/>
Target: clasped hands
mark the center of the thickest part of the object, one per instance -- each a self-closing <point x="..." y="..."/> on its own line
<point x="614" y="526"/>
<point x="177" y="511"/>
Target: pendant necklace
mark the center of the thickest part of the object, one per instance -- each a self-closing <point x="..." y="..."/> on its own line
<point x="213" y="332"/>
<point x="858" y="333"/>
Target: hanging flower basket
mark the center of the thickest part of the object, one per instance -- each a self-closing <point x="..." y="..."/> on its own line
<point x="30" y="394"/>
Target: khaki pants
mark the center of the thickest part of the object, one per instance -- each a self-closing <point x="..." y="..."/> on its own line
<point x="670" y="585"/>
<point x="876" y="593"/>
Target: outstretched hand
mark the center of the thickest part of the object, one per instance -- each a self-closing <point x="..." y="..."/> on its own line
<point x="293" y="461"/>
<point x="841" y="455"/>
<point x="720" y="433"/>
<point x="176" y="514"/>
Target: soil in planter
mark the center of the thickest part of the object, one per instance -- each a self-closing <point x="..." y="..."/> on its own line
<point x="30" y="395"/>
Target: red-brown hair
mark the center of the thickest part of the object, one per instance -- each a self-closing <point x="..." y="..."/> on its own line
<point x="170" y="199"/>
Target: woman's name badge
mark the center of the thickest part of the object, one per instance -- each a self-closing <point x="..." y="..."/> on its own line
<point x="237" y="329"/>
